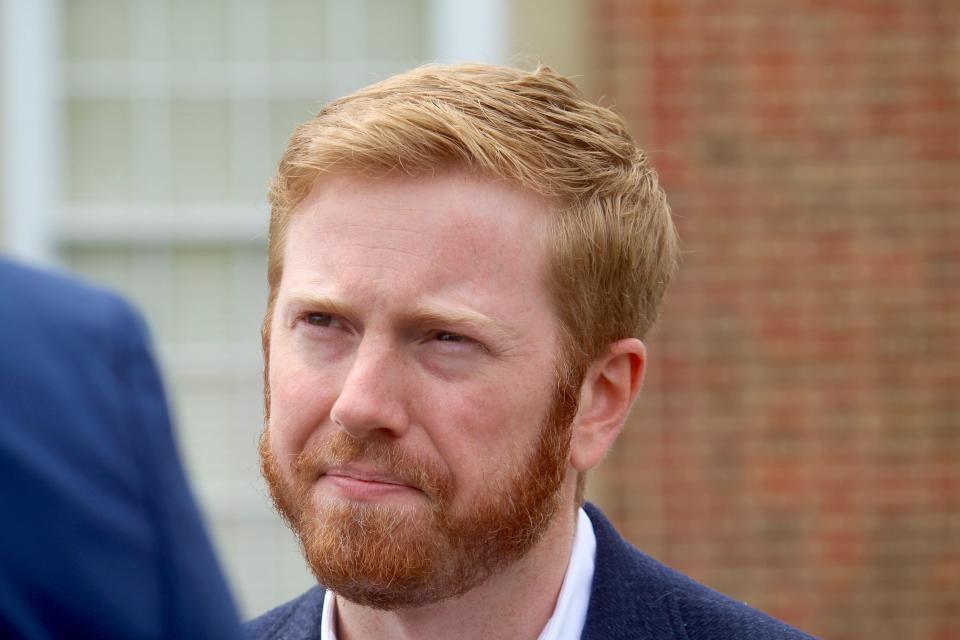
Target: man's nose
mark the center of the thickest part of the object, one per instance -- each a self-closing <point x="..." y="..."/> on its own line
<point x="372" y="397"/>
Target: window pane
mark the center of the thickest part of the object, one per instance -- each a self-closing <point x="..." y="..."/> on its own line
<point x="201" y="149"/>
<point x="297" y="30"/>
<point x="253" y="162"/>
<point x="202" y="292"/>
<point x="199" y="30"/>
<point x="396" y="30"/>
<point x="97" y="29"/>
<point x="99" y="157"/>
<point x="248" y="269"/>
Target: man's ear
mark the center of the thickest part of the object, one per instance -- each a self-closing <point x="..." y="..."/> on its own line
<point x="606" y="395"/>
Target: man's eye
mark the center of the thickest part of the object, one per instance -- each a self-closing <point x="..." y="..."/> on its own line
<point x="321" y="320"/>
<point x="458" y="343"/>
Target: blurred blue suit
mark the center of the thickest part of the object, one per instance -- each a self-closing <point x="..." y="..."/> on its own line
<point x="99" y="534"/>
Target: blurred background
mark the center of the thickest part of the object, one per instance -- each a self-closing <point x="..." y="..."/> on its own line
<point x="797" y="443"/>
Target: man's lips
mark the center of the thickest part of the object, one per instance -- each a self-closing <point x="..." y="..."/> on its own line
<point x="360" y="483"/>
<point x="364" y="475"/>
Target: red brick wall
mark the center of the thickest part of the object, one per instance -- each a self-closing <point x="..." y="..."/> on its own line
<point x="797" y="443"/>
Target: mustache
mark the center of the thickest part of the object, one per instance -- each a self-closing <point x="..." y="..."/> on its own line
<point x="341" y="448"/>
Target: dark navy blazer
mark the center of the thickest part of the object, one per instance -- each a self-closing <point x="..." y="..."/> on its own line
<point x="99" y="534"/>
<point x="633" y="597"/>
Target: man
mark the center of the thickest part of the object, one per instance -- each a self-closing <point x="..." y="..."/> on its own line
<point x="463" y="261"/>
<point x="101" y="537"/>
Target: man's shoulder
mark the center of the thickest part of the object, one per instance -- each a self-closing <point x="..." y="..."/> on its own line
<point x="56" y="306"/>
<point x="634" y="595"/>
<point x="27" y="284"/>
<point x="76" y="345"/>
<point x="298" y="618"/>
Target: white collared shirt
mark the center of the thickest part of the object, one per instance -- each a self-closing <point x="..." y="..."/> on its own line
<point x="570" y="613"/>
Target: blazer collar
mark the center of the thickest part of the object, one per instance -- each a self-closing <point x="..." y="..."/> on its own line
<point x="629" y="598"/>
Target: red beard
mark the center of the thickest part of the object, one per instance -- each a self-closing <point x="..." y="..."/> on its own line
<point x="389" y="557"/>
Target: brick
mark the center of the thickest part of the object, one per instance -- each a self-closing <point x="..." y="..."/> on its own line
<point x="797" y="441"/>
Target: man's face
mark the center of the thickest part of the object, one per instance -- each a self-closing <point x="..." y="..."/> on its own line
<point x="418" y="434"/>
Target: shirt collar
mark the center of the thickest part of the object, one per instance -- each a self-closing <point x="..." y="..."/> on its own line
<point x="328" y="617"/>
<point x="570" y="613"/>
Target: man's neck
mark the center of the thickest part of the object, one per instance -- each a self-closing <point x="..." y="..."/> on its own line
<point x="515" y="603"/>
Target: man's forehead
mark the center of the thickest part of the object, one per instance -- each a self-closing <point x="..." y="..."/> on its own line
<point x="452" y="220"/>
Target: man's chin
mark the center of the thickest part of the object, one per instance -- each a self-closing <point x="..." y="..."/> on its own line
<point x="388" y="597"/>
<point x="386" y="556"/>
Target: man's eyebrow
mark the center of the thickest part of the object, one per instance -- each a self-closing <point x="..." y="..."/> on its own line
<point x="320" y="302"/>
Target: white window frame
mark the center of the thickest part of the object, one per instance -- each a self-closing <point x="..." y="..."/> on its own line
<point x="30" y="128"/>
